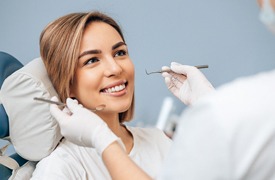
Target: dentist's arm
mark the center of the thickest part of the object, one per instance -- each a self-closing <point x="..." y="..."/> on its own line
<point x="186" y="82"/>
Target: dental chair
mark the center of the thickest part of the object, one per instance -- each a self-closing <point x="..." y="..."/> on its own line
<point x="8" y="65"/>
<point x="26" y="123"/>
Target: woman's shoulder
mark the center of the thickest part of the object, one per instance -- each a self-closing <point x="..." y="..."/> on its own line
<point x="149" y="133"/>
<point x="145" y="130"/>
<point x="149" y="142"/>
<point x="60" y="163"/>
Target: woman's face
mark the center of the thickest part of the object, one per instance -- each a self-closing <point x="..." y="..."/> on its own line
<point x="105" y="72"/>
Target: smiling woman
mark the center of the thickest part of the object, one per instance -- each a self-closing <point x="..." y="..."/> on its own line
<point x="87" y="59"/>
<point x="104" y="73"/>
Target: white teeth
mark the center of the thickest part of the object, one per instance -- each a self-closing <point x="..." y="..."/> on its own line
<point x="115" y="88"/>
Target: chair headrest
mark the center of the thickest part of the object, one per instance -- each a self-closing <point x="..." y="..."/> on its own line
<point x="33" y="131"/>
<point x="8" y="65"/>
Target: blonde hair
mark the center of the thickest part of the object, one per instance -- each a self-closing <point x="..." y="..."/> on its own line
<point x="60" y="46"/>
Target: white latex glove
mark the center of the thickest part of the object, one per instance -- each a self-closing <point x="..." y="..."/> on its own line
<point x="83" y="127"/>
<point x="186" y="82"/>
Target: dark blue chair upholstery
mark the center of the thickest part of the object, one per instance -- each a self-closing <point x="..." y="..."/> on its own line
<point x="8" y="65"/>
<point x="5" y="172"/>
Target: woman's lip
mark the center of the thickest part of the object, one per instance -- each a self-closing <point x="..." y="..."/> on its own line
<point x="115" y="84"/>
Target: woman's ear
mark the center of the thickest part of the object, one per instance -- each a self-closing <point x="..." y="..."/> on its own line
<point x="72" y="94"/>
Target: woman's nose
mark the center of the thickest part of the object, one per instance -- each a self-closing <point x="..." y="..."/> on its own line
<point x="112" y="67"/>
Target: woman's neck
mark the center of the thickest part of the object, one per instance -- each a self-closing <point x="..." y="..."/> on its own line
<point x="119" y="130"/>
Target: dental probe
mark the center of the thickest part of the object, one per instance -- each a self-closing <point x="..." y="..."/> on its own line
<point x="168" y="70"/>
<point x="98" y="108"/>
<point x="50" y="101"/>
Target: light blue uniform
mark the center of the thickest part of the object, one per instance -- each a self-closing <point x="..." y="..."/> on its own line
<point x="229" y="134"/>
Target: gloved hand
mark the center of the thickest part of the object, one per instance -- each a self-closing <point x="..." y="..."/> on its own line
<point x="186" y="82"/>
<point x="83" y="127"/>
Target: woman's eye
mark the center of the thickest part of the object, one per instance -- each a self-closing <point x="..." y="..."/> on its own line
<point x="121" y="53"/>
<point x="91" y="61"/>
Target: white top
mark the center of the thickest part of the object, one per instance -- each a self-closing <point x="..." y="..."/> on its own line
<point x="70" y="161"/>
<point x="229" y="134"/>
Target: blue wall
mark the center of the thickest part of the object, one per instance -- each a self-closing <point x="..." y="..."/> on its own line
<point x="226" y="35"/>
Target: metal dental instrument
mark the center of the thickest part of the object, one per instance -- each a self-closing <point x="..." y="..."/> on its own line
<point x="98" y="108"/>
<point x="50" y="101"/>
<point x="161" y="71"/>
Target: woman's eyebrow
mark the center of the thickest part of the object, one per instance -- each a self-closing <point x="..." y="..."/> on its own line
<point x="89" y="52"/>
<point x="118" y="45"/>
